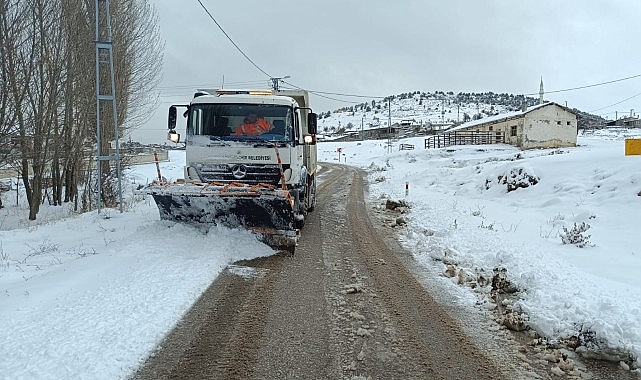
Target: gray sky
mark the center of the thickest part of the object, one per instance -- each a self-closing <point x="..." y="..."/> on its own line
<point x="382" y="48"/>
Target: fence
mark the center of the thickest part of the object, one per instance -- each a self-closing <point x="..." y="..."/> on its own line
<point x="128" y="157"/>
<point x="464" y="138"/>
<point x="406" y="147"/>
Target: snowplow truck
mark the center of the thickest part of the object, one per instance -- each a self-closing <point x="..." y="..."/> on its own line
<point x="251" y="162"/>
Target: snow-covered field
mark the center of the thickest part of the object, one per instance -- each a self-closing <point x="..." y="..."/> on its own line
<point x="90" y="296"/>
<point x="464" y="222"/>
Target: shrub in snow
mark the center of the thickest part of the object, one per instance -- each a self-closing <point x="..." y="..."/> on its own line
<point x="375" y="168"/>
<point x="4" y="257"/>
<point x="500" y="282"/>
<point x="399" y="205"/>
<point x="517" y="178"/>
<point x="575" y="235"/>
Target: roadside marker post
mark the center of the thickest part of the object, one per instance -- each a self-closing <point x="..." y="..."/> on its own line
<point x="633" y="147"/>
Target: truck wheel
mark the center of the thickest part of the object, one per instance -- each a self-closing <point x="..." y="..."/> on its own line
<point x="300" y="219"/>
<point x="302" y="212"/>
<point x="311" y="194"/>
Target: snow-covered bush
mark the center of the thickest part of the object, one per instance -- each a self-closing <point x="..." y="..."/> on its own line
<point x="516" y="178"/>
<point x="576" y="235"/>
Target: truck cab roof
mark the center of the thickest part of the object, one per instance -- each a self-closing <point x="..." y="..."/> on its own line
<point x="296" y="97"/>
<point x="245" y="99"/>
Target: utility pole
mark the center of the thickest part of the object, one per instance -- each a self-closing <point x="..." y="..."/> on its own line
<point x="389" y="125"/>
<point x="104" y="56"/>
<point x="276" y="81"/>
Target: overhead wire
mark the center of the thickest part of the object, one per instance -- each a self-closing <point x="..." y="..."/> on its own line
<point x="326" y="97"/>
<point x="324" y="94"/>
<point x="587" y="86"/>
<point x="232" y="41"/>
<point x="617" y="103"/>
<point x="187" y="86"/>
<point x="317" y="93"/>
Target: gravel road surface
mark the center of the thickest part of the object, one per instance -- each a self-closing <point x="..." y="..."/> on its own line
<point x="346" y="305"/>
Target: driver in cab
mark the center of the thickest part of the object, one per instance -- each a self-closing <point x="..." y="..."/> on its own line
<point x="252" y="126"/>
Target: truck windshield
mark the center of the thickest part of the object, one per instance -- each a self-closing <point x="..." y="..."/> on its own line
<point x="240" y="121"/>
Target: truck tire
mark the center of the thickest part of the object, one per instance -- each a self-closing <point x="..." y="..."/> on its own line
<point x="311" y="194"/>
<point x="302" y="210"/>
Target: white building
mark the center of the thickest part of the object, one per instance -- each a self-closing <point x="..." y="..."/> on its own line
<point x="546" y="125"/>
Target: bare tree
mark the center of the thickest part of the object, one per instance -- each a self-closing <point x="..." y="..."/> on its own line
<point x="17" y="71"/>
<point x="47" y="74"/>
<point x="7" y="115"/>
<point x="41" y="110"/>
<point x="74" y="140"/>
<point x="138" y="63"/>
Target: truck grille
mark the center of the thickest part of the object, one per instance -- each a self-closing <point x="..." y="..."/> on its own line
<point x="246" y="173"/>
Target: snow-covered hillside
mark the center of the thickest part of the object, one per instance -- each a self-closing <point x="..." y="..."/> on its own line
<point x="422" y="108"/>
<point x="438" y="110"/>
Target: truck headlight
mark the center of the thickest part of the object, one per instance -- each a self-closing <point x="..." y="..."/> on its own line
<point x="173" y="136"/>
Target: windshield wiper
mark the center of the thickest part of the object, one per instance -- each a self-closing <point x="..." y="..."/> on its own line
<point x="268" y="144"/>
<point x="246" y="138"/>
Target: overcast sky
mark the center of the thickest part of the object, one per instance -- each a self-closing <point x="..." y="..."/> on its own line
<point x="380" y="48"/>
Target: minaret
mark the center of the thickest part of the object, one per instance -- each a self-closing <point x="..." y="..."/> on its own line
<point x="541" y="92"/>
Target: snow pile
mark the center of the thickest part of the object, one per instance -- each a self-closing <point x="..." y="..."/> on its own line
<point x="91" y="296"/>
<point x="466" y="223"/>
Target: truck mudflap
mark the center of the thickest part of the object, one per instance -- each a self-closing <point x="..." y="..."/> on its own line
<point x="261" y="208"/>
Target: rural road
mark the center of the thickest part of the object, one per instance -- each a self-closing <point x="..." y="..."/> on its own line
<point x="345" y="306"/>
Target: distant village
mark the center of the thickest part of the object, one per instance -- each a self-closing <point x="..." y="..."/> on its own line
<point x="447" y="119"/>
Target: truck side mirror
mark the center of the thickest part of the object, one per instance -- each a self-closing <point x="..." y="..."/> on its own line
<point x="312" y="123"/>
<point x="171" y="120"/>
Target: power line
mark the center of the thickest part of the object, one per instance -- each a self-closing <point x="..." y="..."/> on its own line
<point x="349" y="95"/>
<point x="330" y="98"/>
<point x="195" y="86"/>
<point x="232" y="41"/>
<point x="322" y="94"/>
<point x="588" y="86"/>
<point x="617" y="103"/>
<point x="317" y="93"/>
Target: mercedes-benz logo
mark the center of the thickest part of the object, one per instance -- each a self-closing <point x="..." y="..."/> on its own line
<point x="239" y="171"/>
